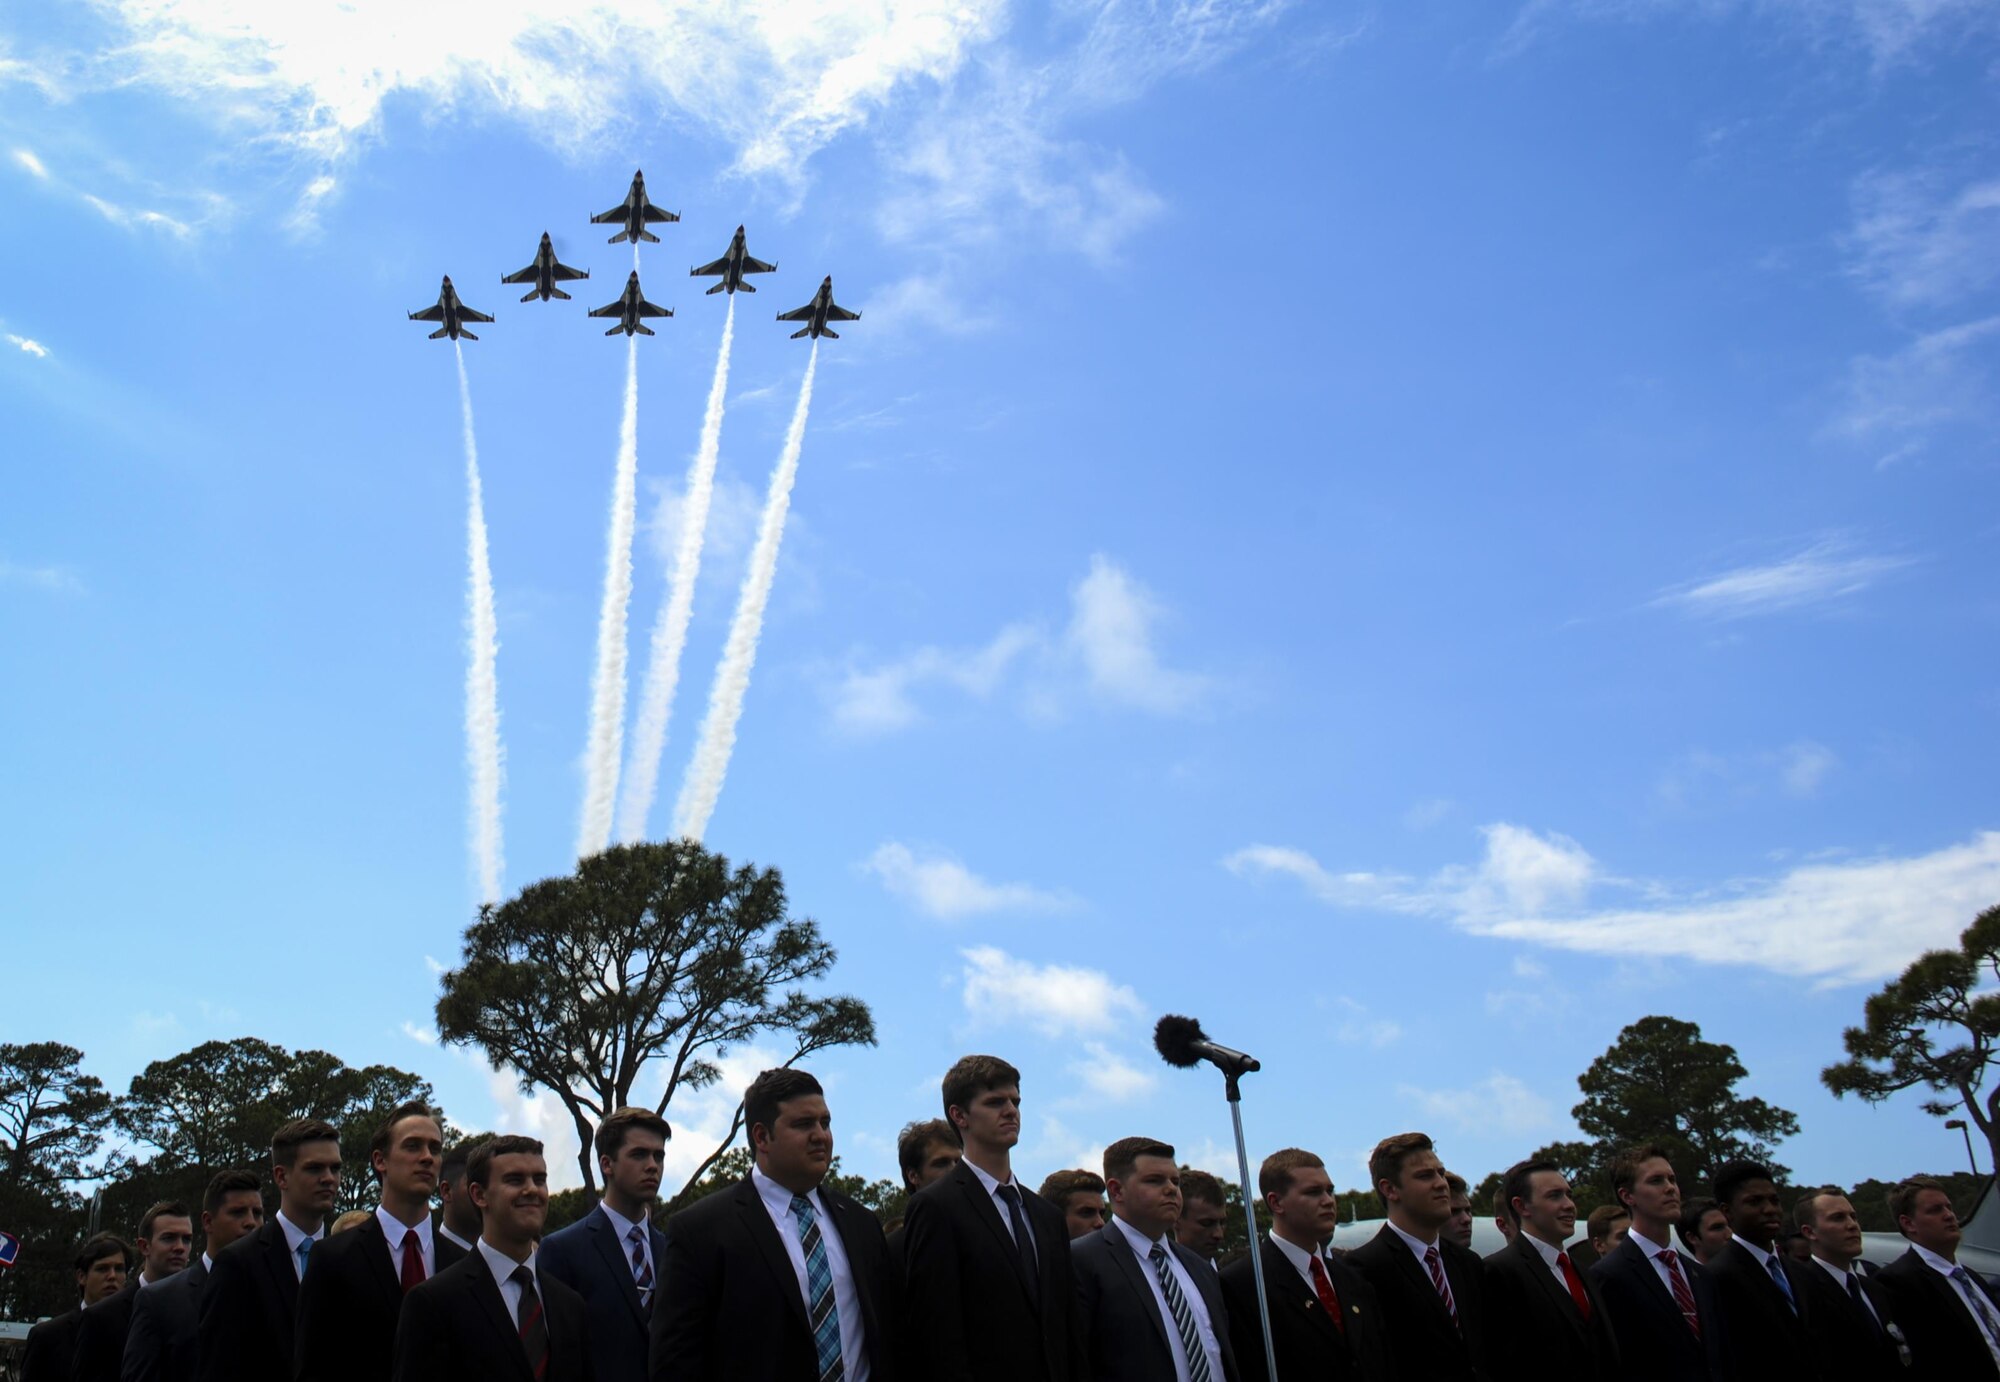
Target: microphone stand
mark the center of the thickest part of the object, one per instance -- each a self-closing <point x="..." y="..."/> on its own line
<point x="1235" y="1096"/>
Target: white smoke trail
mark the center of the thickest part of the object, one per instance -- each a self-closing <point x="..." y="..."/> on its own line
<point x="485" y="759"/>
<point x="607" y="684"/>
<point x="663" y="670"/>
<point x="732" y="677"/>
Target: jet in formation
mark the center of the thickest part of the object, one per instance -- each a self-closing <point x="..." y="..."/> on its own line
<point x="629" y="307"/>
<point x="635" y="213"/>
<point x="817" y="313"/>
<point x="545" y="273"/>
<point x="453" y="313"/>
<point x="735" y="263"/>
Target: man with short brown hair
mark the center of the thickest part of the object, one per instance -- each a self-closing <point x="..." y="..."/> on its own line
<point x="1949" y="1317"/>
<point x="101" y="1263"/>
<point x="163" y="1344"/>
<point x="1079" y="1194"/>
<point x="1432" y="1290"/>
<point x="1850" y="1320"/>
<point x="1548" y="1321"/>
<point x="1204" y="1214"/>
<point x="612" y="1255"/>
<point x="1661" y="1302"/>
<point x="165" y="1241"/>
<point x="1458" y="1228"/>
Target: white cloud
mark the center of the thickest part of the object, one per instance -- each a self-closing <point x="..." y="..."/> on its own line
<point x="1112" y="632"/>
<point x="435" y="965"/>
<point x="941" y="886"/>
<point x="1888" y="30"/>
<point x="28" y="346"/>
<point x="422" y="1035"/>
<point x="1361" y="1027"/>
<point x="55" y="580"/>
<point x="129" y="219"/>
<point x="26" y="159"/>
<point x="1805" y="767"/>
<point x="1108" y="1078"/>
<point x="1500" y="1104"/>
<point x="1346" y="889"/>
<point x="1056" y="1000"/>
<point x="1825" y="572"/>
<point x="1917" y="244"/>
<point x="878" y="699"/>
<point x="1939" y="378"/>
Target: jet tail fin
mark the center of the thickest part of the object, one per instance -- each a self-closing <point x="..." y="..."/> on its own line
<point x="713" y="291"/>
<point x="649" y="237"/>
<point x="745" y="288"/>
<point x="616" y="329"/>
<point x="619" y="237"/>
<point x="644" y="330"/>
<point x="829" y="333"/>
<point x="800" y="332"/>
<point x="441" y="331"/>
<point x="556" y="292"/>
<point x="466" y="335"/>
<point x="534" y="293"/>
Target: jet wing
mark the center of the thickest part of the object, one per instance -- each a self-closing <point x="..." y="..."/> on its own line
<point x="841" y="314"/>
<point x="616" y="213"/>
<point x="797" y="314"/>
<point x="526" y="275"/>
<point x="655" y="215"/>
<point x="433" y="313"/>
<point x="647" y="309"/>
<point x="563" y="273"/>
<point x="715" y="266"/>
<point x="757" y="266"/>
<point x="467" y="314"/>
<point x="609" y="309"/>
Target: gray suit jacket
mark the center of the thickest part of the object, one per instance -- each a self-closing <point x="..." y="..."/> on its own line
<point x="1126" y="1338"/>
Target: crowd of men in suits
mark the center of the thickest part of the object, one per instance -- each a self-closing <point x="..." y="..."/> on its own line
<point x="1093" y="1278"/>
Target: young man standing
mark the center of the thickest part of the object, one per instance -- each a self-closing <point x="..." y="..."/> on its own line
<point x="992" y="1295"/>
<point x="1704" y="1230"/>
<point x="1548" y="1319"/>
<point x="1079" y="1194"/>
<point x="1854" y="1337"/>
<point x="1204" y="1215"/>
<point x="925" y="1152"/>
<point x="162" y="1345"/>
<point x="611" y="1256"/>
<point x="166" y="1238"/>
<point x="102" y="1264"/>
<point x="1761" y="1292"/>
<point x="1432" y="1290"/>
<point x="1950" y="1318"/>
<point x="1661" y="1302"/>
<point x="458" y="1224"/>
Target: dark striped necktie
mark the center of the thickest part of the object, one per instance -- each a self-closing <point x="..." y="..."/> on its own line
<point x="820" y="1308"/>
<point x="1184" y="1325"/>
<point x="534" y="1325"/>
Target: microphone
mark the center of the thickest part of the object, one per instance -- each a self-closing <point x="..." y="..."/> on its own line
<point x="1181" y="1041"/>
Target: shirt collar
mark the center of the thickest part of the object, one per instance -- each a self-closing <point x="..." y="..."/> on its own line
<point x="1414" y="1243"/>
<point x="778" y="1200"/>
<point x="1933" y="1261"/>
<point x="444" y="1232"/>
<point x="1647" y="1246"/>
<point x="394" y="1229"/>
<point x="207" y="1263"/>
<point x="500" y="1264"/>
<point x="1299" y="1257"/>
<point x="1763" y="1257"/>
<point x="1549" y="1253"/>
<point x="622" y="1225"/>
<point x="991" y="1184"/>
<point x="1838" y="1273"/>
<point x="294" y="1235"/>
<point x="1141" y="1244"/>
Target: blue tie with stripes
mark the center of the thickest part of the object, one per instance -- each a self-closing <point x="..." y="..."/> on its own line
<point x="820" y="1309"/>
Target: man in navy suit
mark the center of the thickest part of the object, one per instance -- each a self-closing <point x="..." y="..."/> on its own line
<point x="1546" y="1319"/>
<point x="1432" y="1291"/>
<point x="1765" y="1312"/>
<point x="166" y="1238"/>
<point x="162" y="1343"/>
<point x="611" y="1256"/>
<point x="101" y="1264"/>
<point x="1854" y="1337"/>
<point x="1950" y="1317"/>
<point x="1661" y="1301"/>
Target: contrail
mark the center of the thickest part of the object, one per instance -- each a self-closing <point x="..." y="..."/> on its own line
<point x="663" y="669"/>
<point x="484" y="757"/>
<point x="607" y="684"/>
<point x="739" y="654"/>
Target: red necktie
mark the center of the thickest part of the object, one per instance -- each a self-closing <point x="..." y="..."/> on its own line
<point x="1683" y="1297"/>
<point x="1323" y="1288"/>
<point x="1436" y="1264"/>
<point x="413" y="1260"/>
<point x="1575" y="1284"/>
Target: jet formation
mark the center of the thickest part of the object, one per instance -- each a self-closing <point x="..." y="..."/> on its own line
<point x="630" y="307"/>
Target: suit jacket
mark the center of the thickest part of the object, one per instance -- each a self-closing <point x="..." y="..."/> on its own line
<point x="1429" y="1347"/>
<point x="1308" y="1344"/>
<point x="457" y="1326"/>
<point x="588" y="1258"/>
<point x="1944" y="1341"/>
<point x="1846" y="1346"/>
<point x="52" y="1348"/>
<point x="1654" y="1341"/>
<point x="100" y="1338"/>
<point x="1126" y="1337"/>
<point x="1534" y="1329"/>
<point x="1762" y="1335"/>
<point x="244" y="1325"/>
<point x="349" y="1303"/>
<point x="161" y="1344"/>
<point x="973" y="1316"/>
<point x="729" y="1303"/>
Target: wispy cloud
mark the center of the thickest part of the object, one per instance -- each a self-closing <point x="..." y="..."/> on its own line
<point x="1918" y="243"/>
<point x="423" y="1036"/>
<point x="28" y="346"/>
<point x="1056" y="1000"/>
<point x="1703" y="778"/>
<point x="940" y="886"/>
<point x="1106" y="1077"/>
<point x="25" y="158"/>
<point x="1941" y="377"/>
<point x="1500" y="1103"/>
<point x="879" y="699"/>
<point x="56" y="580"/>
<point x="129" y="219"/>
<point x="1886" y="30"/>
<point x="1825" y="572"/>
<point x="1359" y="1026"/>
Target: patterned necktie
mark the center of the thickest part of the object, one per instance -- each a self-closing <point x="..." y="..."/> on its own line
<point x="820" y="1309"/>
<point x="534" y="1325"/>
<point x="1988" y="1325"/>
<point x="642" y="1270"/>
<point x="1778" y="1275"/>
<point x="1184" y="1325"/>
<point x="1575" y="1284"/>
<point x="1683" y="1297"/>
<point x="1024" y="1242"/>
<point x="1323" y="1288"/>
<point x="413" y="1260"/>
<point x="1854" y="1293"/>
<point x="1436" y="1264"/>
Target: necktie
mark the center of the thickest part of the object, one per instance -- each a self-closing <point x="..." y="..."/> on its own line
<point x="1785" y="1286"/>
<point x="1184" y="1325"/>
<point x="820" y="1309"/>
<point x="1988" y="1325"/>
<point x="642" y="1270"/>
<point x="1436" y="1264"/>
<point x="413" y="1260"/>
<point x="534" y="1326"/>
<point x="1575" y="1284"/>
<point x="1861" y="1302"/>
<point x="1683" y="1297"/>
<point x="1024" y="1242"/>
<point x="1323" y="1288"/>
<point x="305" y="1251"/>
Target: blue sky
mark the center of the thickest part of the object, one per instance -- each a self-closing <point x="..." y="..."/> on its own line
<point x="1419" y="534"/>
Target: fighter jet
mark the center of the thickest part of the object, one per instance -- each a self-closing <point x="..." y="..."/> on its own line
<point x="732" y="266"/>
<point x="545" y="273"/>
<point x="817" y="313"/>
<point x="635" y="213"/>
<point x="629" y="306"/>
<point x="453" y="313"/>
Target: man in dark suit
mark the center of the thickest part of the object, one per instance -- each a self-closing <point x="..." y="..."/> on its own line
<point x="992" y="1293"/>
<point x="166" y="1238"/>
<point x="1149" y="1309"/>
<point x="1326" y="1325"/>
<point x="1204" y="1220"/>
<point x="1703" y="1229"/>
<point x="162" y="1343"/>
<point x="1949" y="1318"/>
<point x="350" y="1299"/>
<point x="101" y="1263"/>
<point x="1661" y="1302"/>
<point x="1854" y="1337"/>
<point x="1079" y="1194"/>
<point x="779" y="1278"/>
<point x="1547" y="1320"/>
<point x="250" y="1300"/>
<point x="1762" y="1293"/>
<point x="491" y="1314"/>
<point x="1432" y="1291"/>
<point x="612" y="1255"/>
<point x="925" y="1151"/>
<point x="458" y="1216"/>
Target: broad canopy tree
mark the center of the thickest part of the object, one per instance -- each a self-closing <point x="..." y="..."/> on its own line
<point x="645" y="966"/>
<point x="1936" y="1027"/>
<point x="53" y="1119"/>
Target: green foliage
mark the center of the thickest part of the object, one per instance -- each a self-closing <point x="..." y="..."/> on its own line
<point x="649" y="955"/>
<point x="887" y="1198"/>
<point x="1871" y="1198"/>
<point x="566" y="1207"/>
<point x="1936" y="1026"/>
<point x="53" y="1118"/>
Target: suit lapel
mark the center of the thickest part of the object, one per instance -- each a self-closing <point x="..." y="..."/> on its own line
<point x="284" y="1276"/>
<point x="1546" y="1280"/>
<point x="486" y="1291"/>
<point x="757" y="1223"/>
<point x="604" y="1238"/>
<point x="1283" y="1282"/>
<point x="848" y="1220"/>
<point x="988" y="1213"/>
<point x="1134" y="1273"/>
<point x="376" y="1254"/>
<point x="1650" y="1285"/>
<point x="1414" y="1273"/>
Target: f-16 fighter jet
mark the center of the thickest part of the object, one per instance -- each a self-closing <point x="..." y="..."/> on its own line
<point x="817" y="313"/>
<point x="545" y="273"/>
<point x="635" y="213"/>
<point x="453" y="313"/>
<point x="732" y="266"/>
<point x="628" y="308"/>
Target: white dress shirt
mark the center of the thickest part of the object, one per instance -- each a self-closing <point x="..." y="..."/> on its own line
<point x="1653" y="1251"/>
<point x="1301" y="1260"/>
<point x="444" y="1231"/>
<point x="1000" y="1205"/>
<point x="1549" y="1255"/>
<point x="294" y="1235"/>
<point x="1841" y="1276"/>
<point x="1419" y="1247"/>
<point x="1142" y="1246"/>
<point x="846" y="1300"/>
<point x="623" y="1227"/>
<point x="207" y="1263"/>
<point x="393" y="1229"/>
<point x="502" y="1266"/>
<point x="1979" y="1316"/>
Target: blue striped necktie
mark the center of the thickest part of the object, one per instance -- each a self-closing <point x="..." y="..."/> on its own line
<point x="820" y="1309"/>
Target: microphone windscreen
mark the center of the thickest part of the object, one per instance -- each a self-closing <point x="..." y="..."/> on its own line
<point x="1174" y="1039"/>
